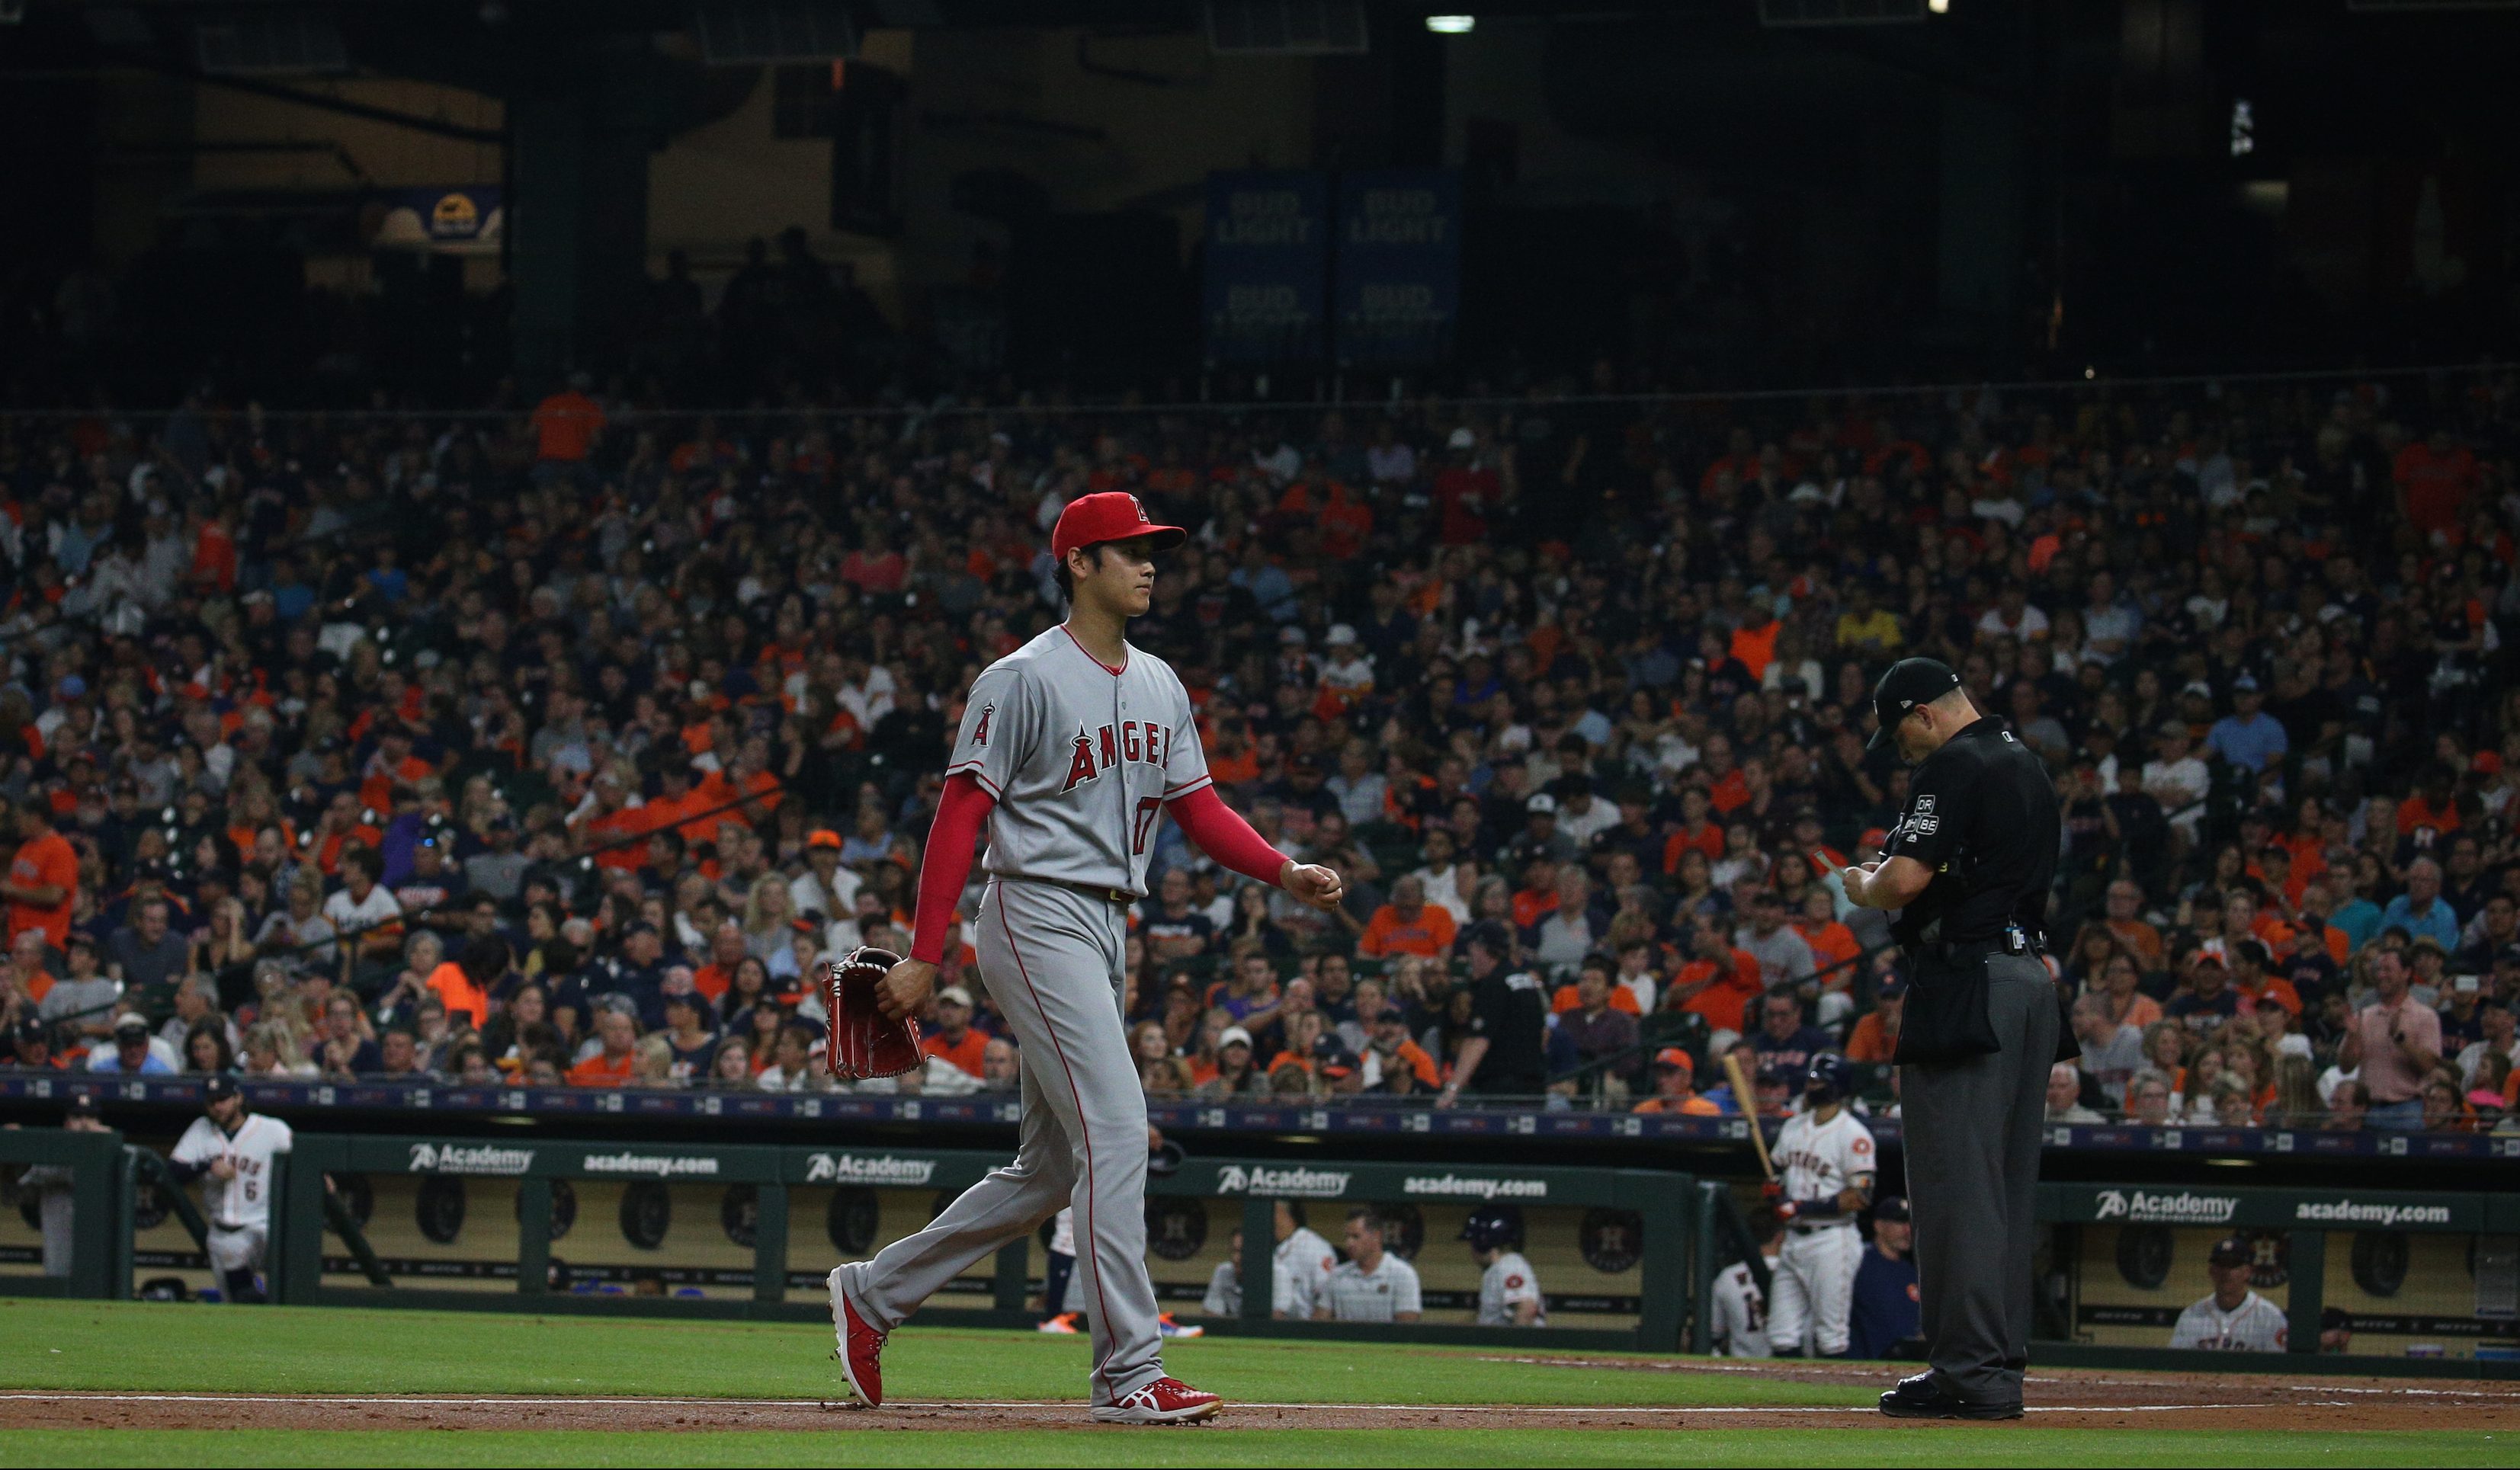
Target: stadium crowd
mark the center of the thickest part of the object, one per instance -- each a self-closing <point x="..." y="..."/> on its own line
<point x="556" y="747"/>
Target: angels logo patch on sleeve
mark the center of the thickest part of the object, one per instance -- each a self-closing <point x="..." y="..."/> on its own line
<point x="980" y="732"/>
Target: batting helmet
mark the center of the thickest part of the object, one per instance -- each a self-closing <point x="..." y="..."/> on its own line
<point x="1831" y="1075"/>
<point x="1493" y="1227"/>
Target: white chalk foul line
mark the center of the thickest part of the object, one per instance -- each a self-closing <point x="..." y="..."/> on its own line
<point x="617" y="1400"/>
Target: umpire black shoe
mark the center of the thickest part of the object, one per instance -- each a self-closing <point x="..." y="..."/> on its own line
<point x="1923" y="1397"/>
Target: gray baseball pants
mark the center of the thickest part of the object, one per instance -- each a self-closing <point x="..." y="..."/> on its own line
<point x="1053" y="962"/>
<point x="1973" y="1132"/>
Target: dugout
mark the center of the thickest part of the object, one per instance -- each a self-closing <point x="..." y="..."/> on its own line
<point x="543" y="1223"/>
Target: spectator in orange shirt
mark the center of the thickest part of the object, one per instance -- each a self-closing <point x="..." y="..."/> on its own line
<point x="953" y="1038"/>
<point x="1833" y="946"/>
<point x="1718" y="980"/>
<point x="2432" y="804"/>
<point x="1408" y="924"/>
<point x="43" y="878"/>
<point x="568" y="425"/>
<point x="1675" y="1087"/>
<point x="616" y="1064"/>
<point x="1694" y="832"/>
<point x="1877" y="1034"/>
<point x="2125" y="909"/>
<point x="1754" y="642"/>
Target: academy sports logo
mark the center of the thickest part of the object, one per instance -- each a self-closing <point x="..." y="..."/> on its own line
<point x="1306" y="1183"/>
<point x="867" y="1169"/>
<point x="657" y="1165"/>
<point x="1455" y="1187"/>
<point x="2182" y="1207"/>
<point x="469" y="1158"/>
<point x="2347" y="1212"/>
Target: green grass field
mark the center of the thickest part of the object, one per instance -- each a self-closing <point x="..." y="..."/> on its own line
<point x="62" y="1346"/>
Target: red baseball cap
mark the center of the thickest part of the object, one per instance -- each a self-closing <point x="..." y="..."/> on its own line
<point x="1111" y="515"/>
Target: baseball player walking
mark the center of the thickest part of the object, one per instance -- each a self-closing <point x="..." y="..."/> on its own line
<point x="1824" y="1156"/>
<point x="1070" y="750"/>
<point x="231" y="1149"/>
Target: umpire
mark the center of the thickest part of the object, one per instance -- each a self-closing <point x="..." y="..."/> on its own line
<point x="1970" y="863"/>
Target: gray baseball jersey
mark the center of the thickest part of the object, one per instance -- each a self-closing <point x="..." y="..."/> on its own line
<point x="2256" y="1325"/>
<point x="1379" y="1295"/>
<point x="1081" y="759"/>
<point x="1506" y="1284"/>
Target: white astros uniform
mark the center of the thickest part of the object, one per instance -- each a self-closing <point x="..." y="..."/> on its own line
<point x="1739" y="1325"/>
<point x="1813" y="1291"/>
<point x="2256" y="1325"/>
<point x="1299" y="1273"/>
<point x="238" y="1209"/>
<point x="1506" y="1284"/>
<point x="1081" y="758"/>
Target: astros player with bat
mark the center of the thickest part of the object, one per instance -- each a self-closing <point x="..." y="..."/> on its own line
<point x="1071" y="748"/>
<point x="1824" y="1157"/>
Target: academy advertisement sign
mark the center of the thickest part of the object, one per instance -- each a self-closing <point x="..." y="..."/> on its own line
<point x="868" y="1169"/>
<point x="649" y="1165"/>
<point x="2262" y="1208"/>
<point x="1460" y="1186"/>
<point x="2164" y="1207"/>
<point x="469" y="1158"/>
<point x="1289" y="1184"/>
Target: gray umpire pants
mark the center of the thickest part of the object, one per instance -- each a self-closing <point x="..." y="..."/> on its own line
<point x="1054" y="960"/>
<point x="1973" y="1131"/>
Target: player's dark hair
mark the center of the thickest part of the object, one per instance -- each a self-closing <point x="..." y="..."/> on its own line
<point x="1295" y="1212"/>
<point x="1066" y="579"/>
<point x="1366" y="1212"/>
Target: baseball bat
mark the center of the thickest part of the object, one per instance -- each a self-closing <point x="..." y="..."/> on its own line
<point x="1749" y="1101"/>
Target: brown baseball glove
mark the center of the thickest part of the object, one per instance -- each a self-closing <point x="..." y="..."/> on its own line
<point x="863" y="1041"/>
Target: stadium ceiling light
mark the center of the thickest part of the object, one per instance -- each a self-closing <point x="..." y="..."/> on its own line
<point x="1939" y="7"/>
<point x="1452" y="26"/>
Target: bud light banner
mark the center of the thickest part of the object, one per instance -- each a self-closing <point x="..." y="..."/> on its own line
<point x="1268" y="252"/>
<point x="1399" y="265"/>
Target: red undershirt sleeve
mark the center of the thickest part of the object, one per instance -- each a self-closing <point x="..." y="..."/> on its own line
<point x="1221" y="832"/>
<point x="959" y="814"/>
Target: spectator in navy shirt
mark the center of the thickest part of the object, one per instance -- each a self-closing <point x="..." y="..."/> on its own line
<point x="2209" y="1000"/>
<point x="1885" y="1311"/>
<point x="1782" y="1041"/>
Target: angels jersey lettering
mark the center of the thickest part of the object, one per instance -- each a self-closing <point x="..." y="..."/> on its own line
<point x="1080" y="758"/>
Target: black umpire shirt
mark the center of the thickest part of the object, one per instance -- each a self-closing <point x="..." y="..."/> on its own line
<point x="1982" y="815"/>
<point x="1510" y="1009"/>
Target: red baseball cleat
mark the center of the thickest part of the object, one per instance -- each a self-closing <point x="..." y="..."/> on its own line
<point x="1166" y="1401"/>
<point x="861" y="1348"/>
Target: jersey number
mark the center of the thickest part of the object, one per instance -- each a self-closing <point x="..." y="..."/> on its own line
<point x="1148" y="807"/>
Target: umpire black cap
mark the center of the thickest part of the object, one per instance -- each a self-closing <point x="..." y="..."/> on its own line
<point x="1910" y="681"/>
